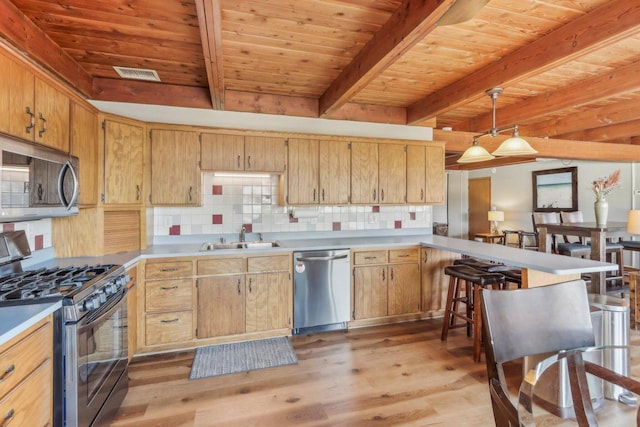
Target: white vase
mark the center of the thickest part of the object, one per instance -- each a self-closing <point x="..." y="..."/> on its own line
<point x="601" y="207"/>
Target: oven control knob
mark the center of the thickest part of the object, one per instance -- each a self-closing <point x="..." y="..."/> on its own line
<point x="88" y="305"/>
<point x="96" y="301"/>
<point x="122" y="280"/>
<point x="110" y="289"/>
<point x="102" y="297"/>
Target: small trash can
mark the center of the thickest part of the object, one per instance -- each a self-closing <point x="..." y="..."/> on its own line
<point x="612" y="328"/>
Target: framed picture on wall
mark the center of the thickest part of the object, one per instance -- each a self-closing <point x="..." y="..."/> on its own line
<point x="555" y="190"/>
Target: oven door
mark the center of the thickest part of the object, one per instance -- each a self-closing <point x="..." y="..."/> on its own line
<point x="100" y="353"/>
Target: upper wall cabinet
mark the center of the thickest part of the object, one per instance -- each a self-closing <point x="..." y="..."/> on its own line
<point x="378" y="173"/>
<point x="31" y="108"/>
<point x="84" y="145"/>
<point x="392" y="175"/>
<point x="425" y="173"/>
<point x="233" y="153"/>
<point x="364" y="173"/>
<point x="334" y="172"/>
<point x="435" y="174"/>
<point x="123" y="163"/>
<point x="175" y="175"/>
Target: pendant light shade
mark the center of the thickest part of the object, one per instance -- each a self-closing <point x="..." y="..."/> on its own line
<point x="475" y="153"/>
<point x="514" y="146"/>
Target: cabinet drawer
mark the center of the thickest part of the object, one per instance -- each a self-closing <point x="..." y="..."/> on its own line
<point x="220" y="266"/>
<point x="269" y="263"/>
<point x="403" y="255"/>
<point x="32" y="400"/>
<point x="167" y="270"/>
<point x="370" y="257"/>
<point x="168" y="327"/>
<point x="21" y="359"/>
<point x="165" y="295"/>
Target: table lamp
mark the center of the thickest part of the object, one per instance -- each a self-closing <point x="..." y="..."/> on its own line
<point x="495" y="217"/>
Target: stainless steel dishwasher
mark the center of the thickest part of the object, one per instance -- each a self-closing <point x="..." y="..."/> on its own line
<point x="322" y="290"/>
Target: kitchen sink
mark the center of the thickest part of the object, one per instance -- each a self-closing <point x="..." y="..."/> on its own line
<point x="212" y="246"/>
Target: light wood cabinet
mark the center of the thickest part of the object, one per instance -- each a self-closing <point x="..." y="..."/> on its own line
<point x="302" y="174"/>
<point x="386" y="282"/>
<point x="244" y="295"/>
<point x="416" y="174"/>
<point x="84" y="145"/>
<point x="392" y="167"/>
<point x="435" y="174"/>
<point x="26" y="391"/>
<point x="334" y="172"/>
<point x="364" y="173"/>
<point x="123" y="163"/>
<point x="32" y="109"/>
<point x="175" y="175"/>
<point x="166" y="309"/>
<point x="233" y="153"/>
<point x="434" y="282"/>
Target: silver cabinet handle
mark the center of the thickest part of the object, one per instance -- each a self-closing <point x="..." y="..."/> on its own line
<point x="190" y="193"/>
<point x="403" y="256"/>
<point x="321" y="258"/>
<point x="7" y="372"/>
<point x="249" y="161"/>
<point x="422" y="194"/>
<point x="374" y="195"/>
<point x="165" y="270"/>
<point x="44" y="125"/>
<point x="168" y="288"/>
<point x="175" y="319"/>
<point x="32" y="120"/>
<point x="8" y="417"/>
<point x="382" y="194"/>
<point x="238" y="161"/>
<point x="137" y="191"/>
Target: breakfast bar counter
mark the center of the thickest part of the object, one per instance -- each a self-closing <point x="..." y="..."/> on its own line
<point x="538" y="268"/>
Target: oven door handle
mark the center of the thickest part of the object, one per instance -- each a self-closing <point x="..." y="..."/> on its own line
<point x="104" y="312"/>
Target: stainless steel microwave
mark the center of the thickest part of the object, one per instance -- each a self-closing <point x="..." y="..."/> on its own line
<point x="36" y="182"/>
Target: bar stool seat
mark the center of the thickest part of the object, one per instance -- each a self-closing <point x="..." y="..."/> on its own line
<point x="511" y="274"/>
<point x="473" y="280"/>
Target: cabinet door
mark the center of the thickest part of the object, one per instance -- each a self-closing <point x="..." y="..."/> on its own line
<point x="5" y="93"/>
<point x="435" y="174"/>
<point x="264" y="154"/>
<point x="84" y="145"/>
<point x="52" y="117"/>
<point x="221" y="306"/>
<point x="222" y="152"/>
<point x="364" y="172"/>
<point x="416" y="173"/>
<point x="175" y="175"/>
<point x="404" y="288"/>
<point x="434" y="282"/>
<point x="22" y="109"/>
<point x="392" y="172"/>
<point x="302" y="174"/>
<point x="370" y="291"/>
<point x="334" y="172"/>
<point x="123" y="163"/>
<point x="268" y="301"/>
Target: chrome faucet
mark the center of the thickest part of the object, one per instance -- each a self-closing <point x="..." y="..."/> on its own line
<point x="242" y="231"/>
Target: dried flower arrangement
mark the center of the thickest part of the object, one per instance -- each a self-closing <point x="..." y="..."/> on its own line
<point x="602" y="186"/>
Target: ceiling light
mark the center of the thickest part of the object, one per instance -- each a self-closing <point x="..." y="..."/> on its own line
<point x="513" y="146"/>
<point x="475" y="153"/>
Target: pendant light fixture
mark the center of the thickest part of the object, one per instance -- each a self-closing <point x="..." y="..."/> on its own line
<point x="513" y="146"/>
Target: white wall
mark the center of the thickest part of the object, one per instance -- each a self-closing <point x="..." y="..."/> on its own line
<point x="511" y="189"/>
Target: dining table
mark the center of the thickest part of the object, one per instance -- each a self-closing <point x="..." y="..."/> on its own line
<point x="598" y="235"/>
<point x="561" y="391"/>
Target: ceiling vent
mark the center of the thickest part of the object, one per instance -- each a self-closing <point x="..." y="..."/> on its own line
<point x="137" y="74"/>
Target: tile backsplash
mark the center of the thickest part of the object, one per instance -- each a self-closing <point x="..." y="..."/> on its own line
<point x="229" y="202"/>
<point x="38" y="232"/>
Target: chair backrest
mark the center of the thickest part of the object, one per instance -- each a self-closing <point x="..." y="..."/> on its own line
<point x="523" y="322"/>
<point x="575" y="216"/>
<point x="545" y="218"/>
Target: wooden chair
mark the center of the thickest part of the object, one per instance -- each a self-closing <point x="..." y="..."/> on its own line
<point x="545" y="319"/>
<point x="545" y="218"/>
<point x="524" y="322"/>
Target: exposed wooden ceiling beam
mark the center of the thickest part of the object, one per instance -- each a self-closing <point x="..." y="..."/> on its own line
<point x="413" y="20"/>
<point x="140" y="92"/>
<point x="620" y="112"/>
<point x="606" y="133"/>
<point x="451" y="164"/>
<point x="210" y="22"/>
<point x="608" y="24"/>
<point x="586" y="92"/>
<point x="549" y="148"/>
<point x="21" y="32"/>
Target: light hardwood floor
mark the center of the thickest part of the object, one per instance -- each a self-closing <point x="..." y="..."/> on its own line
<point x="379" y="376"/>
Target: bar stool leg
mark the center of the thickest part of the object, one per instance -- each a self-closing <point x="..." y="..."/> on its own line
<point x="448" y="317"/>
<point x="477" y="323"/>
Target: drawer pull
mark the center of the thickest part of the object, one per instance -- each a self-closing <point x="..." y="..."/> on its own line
<point x="7" y="418"/>
<point x="169" y="320"/>
<point x="165" y="270"/>
<point x="168" y="288"/>
<point x="370" y="257"/>
<point x="403" y="256"/>
<point x="10" y="370"/>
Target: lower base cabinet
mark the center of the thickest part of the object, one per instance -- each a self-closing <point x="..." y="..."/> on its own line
<point x="221" y="306"/>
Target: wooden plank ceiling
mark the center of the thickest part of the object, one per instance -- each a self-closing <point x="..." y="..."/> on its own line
<point x="569" y="69"/>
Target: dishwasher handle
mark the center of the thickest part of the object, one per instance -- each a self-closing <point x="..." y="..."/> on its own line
<point x="322" y="258"/>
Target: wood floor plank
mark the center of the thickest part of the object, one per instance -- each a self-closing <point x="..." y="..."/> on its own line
<point x="399" y="374"/>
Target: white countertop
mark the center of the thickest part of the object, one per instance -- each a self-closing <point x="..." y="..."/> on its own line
<point x="16" y="319"/>
<point x="534" y="260"/>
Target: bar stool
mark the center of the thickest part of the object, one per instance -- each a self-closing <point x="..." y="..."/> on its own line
<point x="473" y="280"/>
<point x="511" y="274"/>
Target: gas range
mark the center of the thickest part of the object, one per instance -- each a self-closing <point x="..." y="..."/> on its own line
<point x="82" y="289"/>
